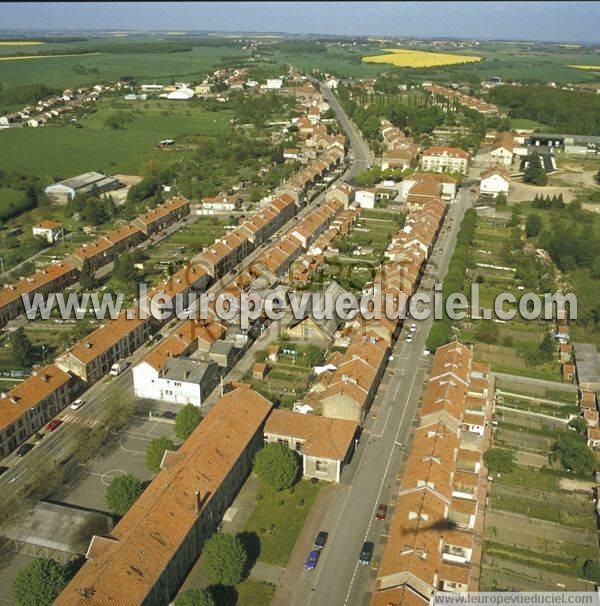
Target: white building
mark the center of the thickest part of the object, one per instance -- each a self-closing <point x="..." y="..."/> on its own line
<point x="274" y="83"/>
<point x="445" y="160"/>
<point x="180" y="381"/>
<point x="365" y="198"/>
<point x="48" y="229"/>
<point x="495" y="181"/>
<point x="181" y="94"/>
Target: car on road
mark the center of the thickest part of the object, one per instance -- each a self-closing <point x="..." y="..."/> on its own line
<point x="53" y="424"/>
<point x="24" y="449"/>
<point x="3" y="469"/>
<point x="426" y="352"/>
<point x="440" y="250"/>
<point x="118" y="367"/>
<point x="77" y="404"/>
<point x="168" y="415"/>
<point x="312" y="559"/>
<point x="413" y="328"/>
<point x="381" y="512"/>
<point x="366" y="553"/>
<point x="409" y="338"/>
<point x="321" y="540"/>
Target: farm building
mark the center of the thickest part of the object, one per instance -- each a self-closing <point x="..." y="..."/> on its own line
<point x="66" y="190"/>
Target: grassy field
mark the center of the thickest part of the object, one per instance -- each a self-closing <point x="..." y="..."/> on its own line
<point x="278" y="518"/>
<point x="254" y="593"/>
<point x="80" y="70"/>
<point x="411" y="58"/>
<point x="64" y="151"/>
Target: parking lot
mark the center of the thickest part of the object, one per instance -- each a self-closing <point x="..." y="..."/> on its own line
<point x="124" y="454"/>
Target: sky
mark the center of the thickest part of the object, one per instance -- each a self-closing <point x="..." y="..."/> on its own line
<point x="543" y="21"/>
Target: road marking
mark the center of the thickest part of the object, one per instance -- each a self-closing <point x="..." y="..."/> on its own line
<point x="383" y="480"/>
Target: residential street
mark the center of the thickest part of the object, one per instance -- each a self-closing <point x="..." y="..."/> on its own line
<point x="350" y="520"/>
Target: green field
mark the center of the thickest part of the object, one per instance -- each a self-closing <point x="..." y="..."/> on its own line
<point x="64" y="151"/>
<point x="81" y="70"/>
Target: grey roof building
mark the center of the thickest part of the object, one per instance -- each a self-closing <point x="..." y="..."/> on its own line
<point x="63" y="191"/>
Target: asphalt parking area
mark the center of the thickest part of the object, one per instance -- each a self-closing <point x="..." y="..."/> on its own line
<point x="124" y="454"/>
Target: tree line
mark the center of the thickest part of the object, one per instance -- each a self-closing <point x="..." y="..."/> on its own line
<point x="565" y="111"/>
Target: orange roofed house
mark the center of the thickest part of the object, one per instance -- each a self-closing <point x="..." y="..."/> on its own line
<point x="162" y="216"/>
<point x="27" y="407"/>
<point x="431" y="543"/>
<point x="445" y="160"/>
<point x="325" y="445"/>
<point x="91" y="358"/>
<point x="150" y="551"/>
<point x="51" y="279"/>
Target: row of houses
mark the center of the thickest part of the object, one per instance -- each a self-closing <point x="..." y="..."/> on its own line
<point x="46" y="109"/>
<point x="459" y="98"/>
<point x="58" y="276"/>
<point x="433" y="543"/>
<point x="347" y="387"/>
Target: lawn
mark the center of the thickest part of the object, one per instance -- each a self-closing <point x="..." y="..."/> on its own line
<point x="254" y="593"/>
<point x="57" y="152"/>
<point x="278" y="518"/>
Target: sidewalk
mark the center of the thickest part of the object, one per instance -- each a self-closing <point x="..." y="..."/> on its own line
<point x="284" y="595"/>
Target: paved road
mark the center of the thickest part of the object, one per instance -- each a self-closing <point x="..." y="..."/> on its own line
<point x="363" y="157"/>
<point x="339" y="579"/>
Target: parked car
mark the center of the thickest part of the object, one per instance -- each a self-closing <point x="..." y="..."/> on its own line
<point x="168" y="415"/>
<point x="321" y="540"/>
<point x="312" y="559"/>
<point x="118" y="367"/>
<point x="413" y="327"/>
<point x="24" y="449"/>
<point x="366" y="553"/>
<point x="409" y="338"/>
<point x="77" y="404"/>
<point x="54" y="423"/>
<point x="381" y="512"/>
<point x="3" y="469"/>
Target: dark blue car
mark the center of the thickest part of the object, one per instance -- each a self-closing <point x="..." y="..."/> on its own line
<point x="311" y="560"/>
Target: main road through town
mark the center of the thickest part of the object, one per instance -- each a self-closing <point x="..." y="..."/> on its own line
<point x="371" y="477"/>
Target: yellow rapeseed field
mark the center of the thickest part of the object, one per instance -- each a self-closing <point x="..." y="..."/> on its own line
<point x="19" y="42"/>
<point x="20" y="58"/>
<point x="595" y="67"/>
<point x="411" y="58"/>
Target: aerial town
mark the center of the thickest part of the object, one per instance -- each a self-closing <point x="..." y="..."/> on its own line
<point x="184" y="419"/>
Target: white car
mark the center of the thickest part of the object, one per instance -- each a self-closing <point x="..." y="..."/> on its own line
<point x="77" y="404"/>
<point x="413" y="328"/>
<point x="118" y="367"/>
<point x="409" y="338"/>
<point x="426" y="352"/>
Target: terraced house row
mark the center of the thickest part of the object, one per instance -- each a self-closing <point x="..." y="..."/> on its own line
<point x="459" y="98"/>
<point x="90" y="359"/>
<point x="347" y="389"/>
<point x="104" y="250"/>
<point x="434" y="539"/>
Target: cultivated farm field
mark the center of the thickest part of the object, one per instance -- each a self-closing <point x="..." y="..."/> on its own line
<point x="416" y="58"/>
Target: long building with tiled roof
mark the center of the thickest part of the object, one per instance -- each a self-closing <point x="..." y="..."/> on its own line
<point x="148" y="553"/>
<point x="432" y="542"/>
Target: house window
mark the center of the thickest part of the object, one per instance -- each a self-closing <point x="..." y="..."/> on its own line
<point x="322" y="466"/>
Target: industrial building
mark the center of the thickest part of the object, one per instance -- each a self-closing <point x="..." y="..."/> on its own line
<point x="66" y="190"/>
